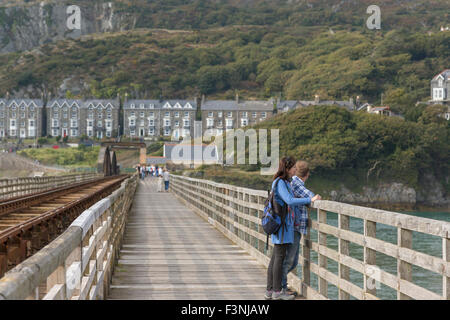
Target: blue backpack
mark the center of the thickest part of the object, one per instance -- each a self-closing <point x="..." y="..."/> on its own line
<point x="274" y="216"/>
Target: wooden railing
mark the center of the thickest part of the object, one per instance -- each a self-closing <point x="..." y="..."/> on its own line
<point x="237" y="212"/>
<point x="78" y="264"/>
<point x="10" y="188"/>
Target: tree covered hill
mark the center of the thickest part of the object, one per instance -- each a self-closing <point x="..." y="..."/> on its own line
<point x="257" y="61"/>
<point x="335" y="142"/>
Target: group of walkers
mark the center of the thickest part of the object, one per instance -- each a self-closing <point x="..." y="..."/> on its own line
<point x="292" y="196"/>
<point x="155" y="171"/>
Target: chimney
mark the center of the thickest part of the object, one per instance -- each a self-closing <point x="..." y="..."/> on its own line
<point x="316" y="99"/>
<point x="126" y="97"/>
<point x="358" y="101"/>
<point x="7" y="95"/>
<point x="203" y="100"/>
<point x="352" y="105"/>
<point x="237" y="97"/>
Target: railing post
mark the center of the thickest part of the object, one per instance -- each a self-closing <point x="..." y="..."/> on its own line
<point x="344" y="271"/>
<point x="446" y="257"/>
<point x="370" y="230"/>
<point x="322" y="240"/>
<point x="404" y="269"/>
<point x="306" y="252"/>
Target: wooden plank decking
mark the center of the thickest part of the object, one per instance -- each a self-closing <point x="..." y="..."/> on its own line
<point x="169" y="252"/>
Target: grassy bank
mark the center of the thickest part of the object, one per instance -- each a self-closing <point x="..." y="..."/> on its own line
<point x="72" y="157"/>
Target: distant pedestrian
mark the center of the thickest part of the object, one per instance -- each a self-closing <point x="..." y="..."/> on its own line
<point x="166" y="179"/>
<point x="160" y="183"/>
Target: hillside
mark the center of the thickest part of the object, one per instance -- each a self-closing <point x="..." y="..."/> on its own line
<point x="257" y="61"/>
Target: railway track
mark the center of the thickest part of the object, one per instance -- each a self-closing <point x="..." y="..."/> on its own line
<point x="29" y="223"/>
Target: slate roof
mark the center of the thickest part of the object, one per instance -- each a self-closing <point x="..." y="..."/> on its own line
<point x="445" y="74"/>
<point x="157" y="104"/>
<point x="232" y="105"/>
<point x="38" y="102"/>
<point x="102" y="103"/>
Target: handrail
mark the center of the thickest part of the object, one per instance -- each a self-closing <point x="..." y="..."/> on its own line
<point x="78" y="264"/>
<point x="237" y="212"/>
<point x="16" y="187"/>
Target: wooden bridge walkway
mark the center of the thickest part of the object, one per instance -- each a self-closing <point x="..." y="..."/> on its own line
<point x="169" y="252"/>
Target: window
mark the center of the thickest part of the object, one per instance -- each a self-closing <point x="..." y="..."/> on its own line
<point x="22" y="107"/>
<point x="167" y="132"/>
<point x="55" y="123"/>
<point x="219" y="114"/>
<point x="141" y="114"/>
<point x="13" y="107"/>
<point x="109" y="115"/>
<point x="22" y="115"/>
<point x="210" y="114"/>
<point x="167" y="122"/>
<point x="74" y="132"/>
<point x="13" y="115"/>
<point x="31" y="115"/>
<point x="132" y="122"/>
<point x="31" y="108"/>
<point x="64" y="124"/>
<point x="73" y="123"/>
<point x="108" y="134"/>
<point x="22" y="123"/>
<point x="132" y="114"/>
<point x="177" y="123"/>
<point x="219" y="123"/>
<point x="91" y="115"/>
<point x="186" y="114"/>
<point x="13" y="132"/>
<point x="177" y="114"/>
<point x="65" y="115"/>
<point x="440" y="82"/>
<point x="152" y="114"/>
<point x="54" y="132"/>
<point x="99" y="124"/>
<point x="12" y="123"/>
<point x="229" y="114"/>
<point x="132" y="106"/>
<point x="90" y="123"/>
<point x="253" y="114"/>
<point x="167" y="114"/>
<point x="108" y="125"/>
<point x="263" y="115"/>
<point x="151" y="131"/>
<point x="209" y="123"/>
<point x="142" y="123"/>
<point x="100" y="115"/>
<point x="244" y="114"/>
<point x="55" y="115"/>
<point x="2" y="123"/>
<point x="151" y="122"/>
<point x="186" y="123"/>
<point x="142" y="106"/>
<point x="244" y="122"/>
<point x="90" y="133"/>
<point x="2" y="114"/>
<point x="31" y="123"/>
<point x="229" y="124"/>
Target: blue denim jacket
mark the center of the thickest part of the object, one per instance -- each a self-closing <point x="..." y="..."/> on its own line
<point x="283" y="194"/>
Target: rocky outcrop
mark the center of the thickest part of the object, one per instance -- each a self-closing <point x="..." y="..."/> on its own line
<point x="26" y="27"/>
<point x="395" y="195"/>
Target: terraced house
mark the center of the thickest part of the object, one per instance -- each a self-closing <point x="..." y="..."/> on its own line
<point x="20" y="118"/>
<point x="155" y="118"/>
<point x="221" y="115"/>
<point x="74" y="118"/>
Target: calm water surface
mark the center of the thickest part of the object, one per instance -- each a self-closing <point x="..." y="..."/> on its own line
<point x="421" y="242"/>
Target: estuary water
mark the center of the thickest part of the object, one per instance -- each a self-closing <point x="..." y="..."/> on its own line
<point x="428" y="244"/>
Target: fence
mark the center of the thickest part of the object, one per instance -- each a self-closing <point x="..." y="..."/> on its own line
<point x="78" y="264"/>
<point x="10" y="188"/>
<point x="237" y="212"/>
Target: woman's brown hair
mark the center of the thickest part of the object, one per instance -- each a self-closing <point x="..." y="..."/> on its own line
<point x="286" y="163"/>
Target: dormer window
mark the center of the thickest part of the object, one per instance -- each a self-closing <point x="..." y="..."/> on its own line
<point x="31" y="108"/>
<point x="142" y="106"/>
<point x="177" y="105"/>
<point x="167" y="106"/>
<point x="132" y="106"/>
<point x="440" y="82"/>
<point x="188" y="106"/>
<point x="22" y="107"/>
<point x="152" y="106"/>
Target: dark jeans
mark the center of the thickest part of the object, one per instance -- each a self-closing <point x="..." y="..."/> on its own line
<point x="274" y="272"/>
<point x="166" y="184"/>
<point x="291" y="260"/>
